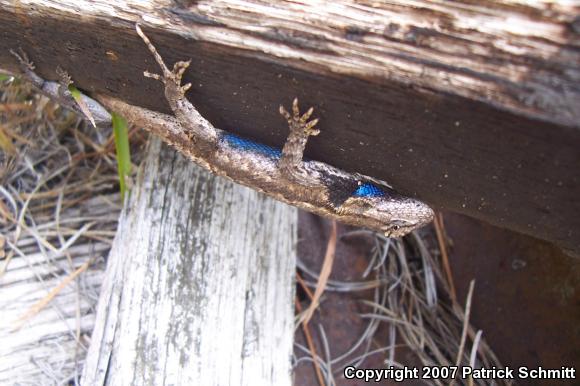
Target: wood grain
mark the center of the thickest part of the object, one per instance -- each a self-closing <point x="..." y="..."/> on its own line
<point x="199" y="285"/>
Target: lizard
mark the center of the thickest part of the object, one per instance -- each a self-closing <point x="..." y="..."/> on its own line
<point x="283" y="174"/>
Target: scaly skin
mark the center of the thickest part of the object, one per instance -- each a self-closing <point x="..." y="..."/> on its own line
<point x="314" y="186"/>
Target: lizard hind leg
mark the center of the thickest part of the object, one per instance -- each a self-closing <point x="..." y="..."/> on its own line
<point x="170" y="78"/>
<point x="200" y="131"/>
<point x="291" y="162"/>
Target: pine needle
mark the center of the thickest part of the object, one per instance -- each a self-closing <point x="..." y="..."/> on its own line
<point x="324" y="274"/>
<point x="44" y="301"/>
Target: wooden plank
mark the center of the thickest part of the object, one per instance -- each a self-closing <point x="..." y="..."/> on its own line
<point x="472" y="107"/>
<point x="199" y="285"/>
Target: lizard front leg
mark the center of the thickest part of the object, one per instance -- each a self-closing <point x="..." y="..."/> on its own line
<point x="291" y="163"/>
<point x="201" y="132"/>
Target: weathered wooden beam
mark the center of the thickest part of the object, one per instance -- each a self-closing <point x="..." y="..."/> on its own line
<point x="199" y="285"/>
<point x="472" y="107"/>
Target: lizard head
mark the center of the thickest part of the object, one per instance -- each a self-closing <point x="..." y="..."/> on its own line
<point x="384" y="210"/>
<point x="403" y="216"/>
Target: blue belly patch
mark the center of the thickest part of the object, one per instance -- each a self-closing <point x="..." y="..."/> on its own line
<point x="365" y="189"/>
<point x="249" y="145"/>
<point x="368" y="190"/>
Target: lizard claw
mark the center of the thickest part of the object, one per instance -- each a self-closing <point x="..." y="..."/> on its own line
<point x="64" y="78"/>
<point x="309" y="128"/>
<point x="158" y="77"/>
<point x="23" y="59"/>
<point x="304" y="118"/>
<point x="185" y="87"/>
<point x="299" y="122"/>
<point x="179" y="68"/>
<point x="295" y="109"/>
<point x="285" y="113"/>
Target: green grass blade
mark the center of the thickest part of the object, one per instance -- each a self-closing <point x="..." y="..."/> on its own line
<point x="78" y="97"/>
<point x="121" y="134"/>
<point x="75" y="92"/>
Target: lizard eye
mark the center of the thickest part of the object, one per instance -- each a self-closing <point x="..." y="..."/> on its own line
<point x="396" y="228"/>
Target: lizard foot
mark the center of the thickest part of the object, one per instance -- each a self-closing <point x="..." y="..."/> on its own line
<point x="74" y="99"/>
<point x="199" y="131"/>
<point x="64" y="78"/>
<point x="22" y="58"/>
<point x="298" y="123"/>
<point x="171" y="79"/>
<point x="290" y="164"/>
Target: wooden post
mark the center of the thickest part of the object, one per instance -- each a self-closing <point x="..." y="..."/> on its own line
<point x="199" y="285"/>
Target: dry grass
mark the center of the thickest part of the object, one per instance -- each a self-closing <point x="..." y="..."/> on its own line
<point x="414" y="300"/>
<point x="59" y="205"/>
